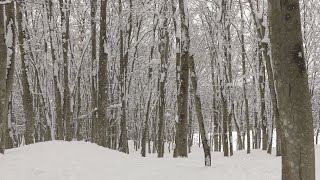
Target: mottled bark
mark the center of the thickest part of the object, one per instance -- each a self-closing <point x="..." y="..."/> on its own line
<point x="294" y="99"/>
<point x="7" y="141"/>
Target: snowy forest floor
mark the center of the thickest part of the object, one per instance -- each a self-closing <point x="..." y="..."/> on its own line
<point x="59" y="160"/>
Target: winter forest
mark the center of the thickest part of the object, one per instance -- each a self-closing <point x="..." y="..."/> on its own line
<point x="159" y="89"/>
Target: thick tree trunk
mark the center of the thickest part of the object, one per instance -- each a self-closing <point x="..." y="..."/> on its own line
<point x="294" y="100"/>
<point x="198" y="108"/>
<point x="5" y="139"/>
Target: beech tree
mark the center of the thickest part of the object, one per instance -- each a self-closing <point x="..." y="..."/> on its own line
<point x="294" y="100"/>
<point x="3" y="75"/>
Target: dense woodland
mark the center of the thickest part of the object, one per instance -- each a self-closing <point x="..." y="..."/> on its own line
<point x="161" y="71"/>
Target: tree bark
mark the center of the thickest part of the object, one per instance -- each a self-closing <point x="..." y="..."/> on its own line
<point x="6" y="141"/>
<point x="67" y="113"/>
<point x="198" y="108"/>
<point x="27" y="98"/>
<point x="261" y="30"/>
<point x="102" y="79"/>
<point x="294" y="100"/>
<point x="164" y="55"/>
<point x="57" y="93"/>
<point x="183" y="78"/>
<point x="94" y="88"/>
<point x="3" y="77"/>
<point x="123" y="141"/>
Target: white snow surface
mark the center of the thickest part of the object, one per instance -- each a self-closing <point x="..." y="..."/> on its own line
<point x="59" y="160"/>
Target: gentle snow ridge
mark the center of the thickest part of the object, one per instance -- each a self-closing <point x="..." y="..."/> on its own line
<point x="83" y="161"/>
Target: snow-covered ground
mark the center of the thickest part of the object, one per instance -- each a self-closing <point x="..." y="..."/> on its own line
<point x="86" y="161"/>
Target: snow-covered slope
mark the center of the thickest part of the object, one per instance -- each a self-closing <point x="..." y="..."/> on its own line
<point x="85" y="161"/>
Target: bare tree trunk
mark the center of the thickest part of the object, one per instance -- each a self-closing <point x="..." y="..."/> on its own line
<point x="123" y="141"/>
<point x="67" y="114"/>
<point x="214" y="106"/>
<point x="94" y="88"/>
<point x="164" y="55"/>
<point x="5" y="139"/>
<point x="224" y="124"/>
<point x="294" y="100"/>
<point x="145" y="132"/>
<point x="239" y="138"/>
<point x="198" y="108"/>
<point x="230" y="130"/>
<point x="261" y="30"/>
<point x="3" y="77"/>
<point x="178" y="69"/>
<point x="182" y="125"/>
<point x="190" y="128"/>
<point x="263" y="103"/>
<point x="245" y="82"/>
<point x="27" y="98"/>
<point x="102" y="79"/>
<point x="57" y="94"/>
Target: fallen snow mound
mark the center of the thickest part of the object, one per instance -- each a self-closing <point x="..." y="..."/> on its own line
<point x="86" y="161"/>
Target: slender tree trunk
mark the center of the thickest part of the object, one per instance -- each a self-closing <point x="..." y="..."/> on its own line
<point x="3" y="77"/>
<point x="145" y="131"/>
<point x="57" y="94"/>
<point x="164" y="54"/>
<point x="224" y="124"/>
<point x="27" y="98"/>
<point x="261" y="30"/>
<point x="198" y="108"/>
<point x="239" y="138"/>
<point x="102" y="79"/>
<point x="182" y="125"/>
<point x="245" y="82"/>
<point x="94" y="88"/>
<point x="294" y="100"/>
<point x="67" y="114"/>
<point x="214" y="106"/>
<point x="263" y="104"/>
<point x="123" y="141"/>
